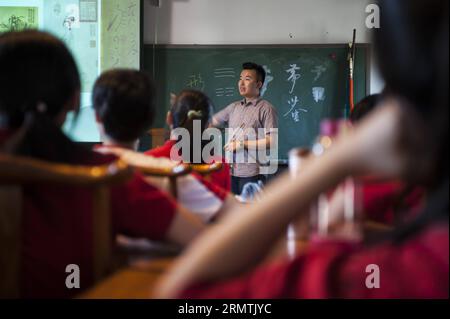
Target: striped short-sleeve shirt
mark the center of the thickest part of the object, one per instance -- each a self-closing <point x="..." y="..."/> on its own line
<point x="241" y="116"/>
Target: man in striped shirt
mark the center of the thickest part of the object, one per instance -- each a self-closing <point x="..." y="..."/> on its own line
<point x="254" y="123"/>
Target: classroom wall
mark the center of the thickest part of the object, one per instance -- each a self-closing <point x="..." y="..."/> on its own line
<point x="257" y="22"/>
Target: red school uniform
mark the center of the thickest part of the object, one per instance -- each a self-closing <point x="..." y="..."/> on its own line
<point x="382" y="200"/>
<point x="417" y="268"/>
<point x="221" y="178"/>
<point x="57" y="228"/>
<point x="202" y="198"/>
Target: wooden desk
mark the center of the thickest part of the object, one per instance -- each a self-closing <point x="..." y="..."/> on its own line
<point x="137" y="280"/>
<point x="142" y="263"/>
<point x="134" y="282"/>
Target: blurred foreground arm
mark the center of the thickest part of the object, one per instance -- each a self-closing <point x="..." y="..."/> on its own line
<point x="246" y="234"/>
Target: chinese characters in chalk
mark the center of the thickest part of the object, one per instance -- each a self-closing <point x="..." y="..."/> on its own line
<point x="293" y="75"/>
<point x="295" y="110"/>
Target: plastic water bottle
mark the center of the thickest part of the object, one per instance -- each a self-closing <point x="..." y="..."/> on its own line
<point x="298" y="229"/>
<point x="341" y="205"/>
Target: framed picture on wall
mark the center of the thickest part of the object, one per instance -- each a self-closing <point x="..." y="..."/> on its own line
<point x="101" y="34"/>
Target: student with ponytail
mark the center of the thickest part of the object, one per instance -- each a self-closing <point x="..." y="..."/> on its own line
<point x="39" y="85"/>
<point x="193" y="106"/>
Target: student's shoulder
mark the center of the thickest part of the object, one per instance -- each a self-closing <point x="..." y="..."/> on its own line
<point x="95" y="157"/>
<point x="161" y="151"/>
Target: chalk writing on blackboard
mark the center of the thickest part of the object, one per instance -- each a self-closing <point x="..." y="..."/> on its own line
<point x="225" y="91"/>
<point x="293" y="75"/>
<point x="318" y="94"/>
<point x="220" y="92"/>
<point x="224" y="73"/>
<point x="318" y="71"/>
<point x="296" y="114"/>
<point x="294" y="111"/>
<point x="229" y="91"/>
<point x="269" y="78"/>
<point x="195" y="81"/>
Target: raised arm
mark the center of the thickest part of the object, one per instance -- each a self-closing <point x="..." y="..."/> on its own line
<point x="185" y="227"/>
<point x="221" y="118"/>
<point x="241" y="240"/>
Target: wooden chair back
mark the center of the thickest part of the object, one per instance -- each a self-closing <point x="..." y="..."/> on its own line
<point x="172" y="173"/>
<point x="15" y="172"/>
<point x="206" y="169"/>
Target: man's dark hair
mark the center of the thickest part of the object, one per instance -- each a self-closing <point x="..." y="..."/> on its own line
<point x="260" y="72"/>
<point x="124" y="101"/>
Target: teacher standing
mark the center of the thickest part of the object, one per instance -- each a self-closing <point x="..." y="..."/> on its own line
<point x="252" y="112"/>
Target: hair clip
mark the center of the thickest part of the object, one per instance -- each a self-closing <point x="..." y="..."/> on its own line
<point x="194" y="114"/>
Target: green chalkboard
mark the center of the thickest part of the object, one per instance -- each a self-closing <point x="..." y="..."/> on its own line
<point x="304" y="83"/>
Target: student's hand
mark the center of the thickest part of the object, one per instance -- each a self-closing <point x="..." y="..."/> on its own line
<point x="373" y="147"/>
<point x="234" y="146"/>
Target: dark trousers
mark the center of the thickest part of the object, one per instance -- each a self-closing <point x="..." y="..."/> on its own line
<point x="237" y="183"/>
